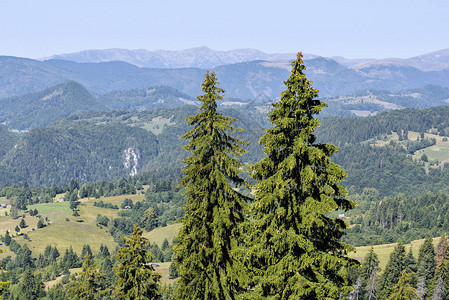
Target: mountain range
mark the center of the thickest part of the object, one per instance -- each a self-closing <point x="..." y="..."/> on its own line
<point x="200" y="57"/>
<point x="36" y="93"/>
<point x="71" y="98"/>
<point x="204" y="57"/>
<point x="256" y="80"/>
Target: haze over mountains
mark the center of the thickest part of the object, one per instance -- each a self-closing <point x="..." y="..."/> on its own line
<point x="36" y="93"/>
<point x="247" y="74"/>
<point x="200" y="57"/>
<point x="204" y="57"/>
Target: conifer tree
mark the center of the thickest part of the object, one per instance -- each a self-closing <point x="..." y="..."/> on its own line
<point x="442" y="251"/>
<point x="421" y="288"/>
<point x="369" y="263"/>
<point x="370" y="267"/>
<point x="403" y="290"/>
<point x="3" y="284"/>
<point x="441" y="284"/>
<point x="371" y="286"/>
<point x="7" y="239"/>
<point x="91" y="284"/>
<point x="30" y="286"/>
<point x="411" y="263"/>
<point x="86" y="251"/>
<point x="411" y="267"/>
<point x="426" y="261"/>
<point x="439" y="289"/>
<point x="135" y="277"/>
<point x="295" y="249"/>
<point x="396" y="264"/>
<point x="210" y="235"/>
<point x="70" y="259"/>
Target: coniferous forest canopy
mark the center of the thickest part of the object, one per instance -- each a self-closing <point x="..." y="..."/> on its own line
<point x="266" y="203"/>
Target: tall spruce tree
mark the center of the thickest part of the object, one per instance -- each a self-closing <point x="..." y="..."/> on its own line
<point x="369" y="263"/>
<point x="370" y="267"/>
<point x="91" y="284"/>
<point x="135" y="277"/>
<point x="442" y="251"/>
<point x="3" y="284"/>
<point x="295" y="251"/>
<point x="426" y="261"/>
<point x="206" y="244"/>
<point x="30" y="286"/>
<point x="371" y="286"/>
<point x="411" y="263"/>
<point x="396" y="264"/>
<point x="441" y="282"/>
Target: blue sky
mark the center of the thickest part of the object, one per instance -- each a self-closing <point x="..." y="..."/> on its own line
<point x="352" y="28"/>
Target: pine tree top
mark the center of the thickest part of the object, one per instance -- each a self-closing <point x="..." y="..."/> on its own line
<point x="135" y="277"/>
<point x="209" y="141"/>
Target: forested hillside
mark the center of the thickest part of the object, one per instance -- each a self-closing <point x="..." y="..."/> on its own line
<point x="399" y="218"/>
<point x="44" y="107"/>
<point x="98" y="146"/>
<point x="371" y="150"/>
<point x="7" y="140"/>
<point x="66" y="150"/>
<point x="145" y="99"/>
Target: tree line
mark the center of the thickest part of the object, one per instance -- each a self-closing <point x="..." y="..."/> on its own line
<point x="405" y="277"/>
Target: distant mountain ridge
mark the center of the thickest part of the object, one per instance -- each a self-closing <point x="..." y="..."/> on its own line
<point x="71" y="98"/>
<point x="259" y="80"/>
<point x="204" y="57"/>
<point x="200" y="57"/>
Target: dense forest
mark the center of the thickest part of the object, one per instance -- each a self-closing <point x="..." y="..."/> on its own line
<point x="65" y="149"/>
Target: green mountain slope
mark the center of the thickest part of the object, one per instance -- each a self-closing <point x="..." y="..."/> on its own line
<point x="96" y="146"/>
<point x="68" y="150"/>
<point x="381" y="152"/>
<point x="145" y="99"/>
<point x="7" y="140"/>
<point x="44" y="107"/>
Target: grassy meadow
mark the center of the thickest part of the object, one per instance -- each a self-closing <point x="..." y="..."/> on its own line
<point x="64" y="230"/>
<point x="384" y="251"/>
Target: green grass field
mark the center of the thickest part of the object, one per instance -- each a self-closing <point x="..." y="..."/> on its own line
<point x="438" y="152"/>
<point x="158" y="235"/>
<point x="384" y="251"/>
<point x="434" y="153"/>
<point x="157" y="125"/>
<point x="65" y="230"/>
<point x="163" y="269"/>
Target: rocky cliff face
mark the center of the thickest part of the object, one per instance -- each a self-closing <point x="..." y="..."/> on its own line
<point x="131" y="158"/>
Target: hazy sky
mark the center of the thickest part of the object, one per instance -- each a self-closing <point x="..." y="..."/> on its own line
<point x="352" y="28"/>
